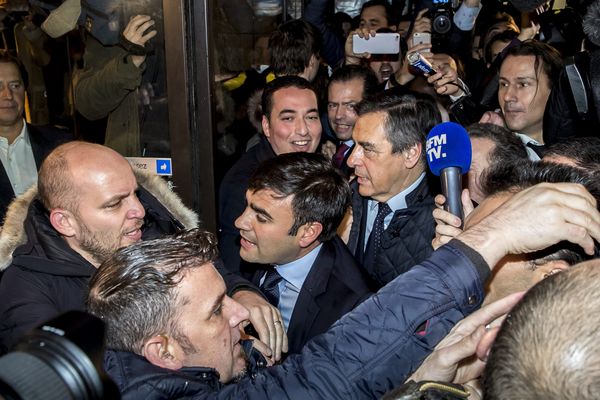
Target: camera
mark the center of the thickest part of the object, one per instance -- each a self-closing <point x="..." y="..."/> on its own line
<point x="62" y="359"/>
<point x="441" y="14"/>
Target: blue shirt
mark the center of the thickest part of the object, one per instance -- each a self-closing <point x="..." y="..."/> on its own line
<point x="294" y="274"/>
<point x="398" y="202"/>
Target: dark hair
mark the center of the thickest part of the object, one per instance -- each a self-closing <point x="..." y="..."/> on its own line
<point x="349" y="73"/>
<point x="292" y="45"/>
<point x="507" y="146"/>
<point x="583" y="151"/>
<point x="408" y="117"/>
<point x="321" y="193"/>
<point x="389" y="14"/>
<point x="522" y="174"/>
<point x="546" y="57"/>
<point x="281" y="83"/>
<point x="505" y="36"/>
<point x="135" y="291"/>
<point x="7" y="58"/>
<point x="556" y="321"/>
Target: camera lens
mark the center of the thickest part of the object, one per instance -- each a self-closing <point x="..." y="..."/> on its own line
<point x="441" y="24"/>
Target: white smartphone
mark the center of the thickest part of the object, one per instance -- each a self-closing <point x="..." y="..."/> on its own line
<point x="381" y="43"/>
<point x="421" y="38"/>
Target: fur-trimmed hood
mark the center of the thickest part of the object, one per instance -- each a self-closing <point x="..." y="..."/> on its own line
<point x="13" y="235"/>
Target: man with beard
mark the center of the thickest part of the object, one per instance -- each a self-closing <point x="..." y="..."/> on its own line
<point x="88" y="204"/>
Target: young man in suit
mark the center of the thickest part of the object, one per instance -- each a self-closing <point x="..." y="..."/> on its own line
<point x="295" y="203"/>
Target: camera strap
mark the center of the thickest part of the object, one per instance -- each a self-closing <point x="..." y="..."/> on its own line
<point x="577" y="87"/>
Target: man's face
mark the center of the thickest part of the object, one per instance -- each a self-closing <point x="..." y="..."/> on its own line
<point x="12" y="95"/>
<point x="523" y="94"/>
<point x="109" y="215"/>
<point x="210" y="322"/>
<point x="380" y="173"/>
<point x="482" y="147"/>
<point x="513" y="273"/>
<point x="264" y="228"/>
<point x="342" y="99"/>
<point x="383" y="68"/>
<point x="294" y="124"/>
<point x="373" y="18"/>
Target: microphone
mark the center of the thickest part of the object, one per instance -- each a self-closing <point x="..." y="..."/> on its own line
<point x="449" y="157"/>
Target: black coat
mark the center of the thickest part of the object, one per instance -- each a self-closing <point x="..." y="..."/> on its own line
<point x="407" y="239"/>
<point x="47" y="277"/>
<point x="232" y="201"/>
<point x="335" y="285"/>
<point x="43" y="141"/>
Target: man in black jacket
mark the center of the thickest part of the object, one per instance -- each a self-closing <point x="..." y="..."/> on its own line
<point x="22" y="146"/>
<point x="89" y="204"/>
<point x="392" y="226"/>
<point x="295" y="203"/>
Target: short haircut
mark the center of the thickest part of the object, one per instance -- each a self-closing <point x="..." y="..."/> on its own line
<point x="507" y="146"/>
<point x="7" y="58"/>
<point x="55" y="182"/>
<point x="349" y="73"/>
<point x="281" y="83"/>
<point x="505" y="36"/>
<point x="321" y="193"/>
<point x="548" y="346"/>
<point x="292" y="45"/>
<point x="135" y="291"/>
<point x="583" y="151"/>
<point x="389" y="14"/>
<point x="547" y="58"/>
<point x="519" y="175"/>
<point x="408" y="117"/>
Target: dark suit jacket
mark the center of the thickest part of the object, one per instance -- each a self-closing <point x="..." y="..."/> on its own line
<point x="43" y="141"/>
<point x="335" y="285"/>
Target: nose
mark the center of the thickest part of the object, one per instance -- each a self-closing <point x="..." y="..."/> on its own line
<point x="355" y="156"/>
<point x="339" y="113"/>
<point x="136" y="210"/>
<point x="241" y="222"/>
<point x="509" y="93"/>
<point x="301" y="127"/>
<point x="6" y="92"/>
<point x="236" y="313"/>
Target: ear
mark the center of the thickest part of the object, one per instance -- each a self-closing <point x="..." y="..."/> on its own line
<point x="64" y="222"/>
<point x="309" y="233"/>
<point x="266" y="126"/>
<point x="551" y="268"/>
<point x="412" y="155"/>
<point x="159" y="352"/>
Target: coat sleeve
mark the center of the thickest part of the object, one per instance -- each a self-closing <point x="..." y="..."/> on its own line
<point x="375" y="347"/>
<point x="107" y="78"/>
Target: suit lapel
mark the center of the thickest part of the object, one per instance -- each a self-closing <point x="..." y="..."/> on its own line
<point x="308" y="306"/>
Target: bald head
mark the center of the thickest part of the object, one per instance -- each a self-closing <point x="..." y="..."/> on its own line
<point x="69" y="167"/>
<point x="549" y="346"/>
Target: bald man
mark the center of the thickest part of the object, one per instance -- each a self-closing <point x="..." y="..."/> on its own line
<point x="88" y="204"/>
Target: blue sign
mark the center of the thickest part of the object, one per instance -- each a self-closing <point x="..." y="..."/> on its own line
<point x="163" y="166"/>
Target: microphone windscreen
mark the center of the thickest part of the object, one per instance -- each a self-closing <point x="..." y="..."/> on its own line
<point x="527" y="5"/>
<point x="448" y="145"/>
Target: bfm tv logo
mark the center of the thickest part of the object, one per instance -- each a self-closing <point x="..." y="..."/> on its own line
<point x="434" y="147"/>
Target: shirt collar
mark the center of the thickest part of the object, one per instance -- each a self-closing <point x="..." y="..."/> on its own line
<point x="295" y="272"/>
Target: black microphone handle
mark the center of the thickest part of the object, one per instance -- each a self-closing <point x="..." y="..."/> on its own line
<point x="451" y="178"/>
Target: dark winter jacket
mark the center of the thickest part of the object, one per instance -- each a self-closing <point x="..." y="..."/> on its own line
<point x="366" y="353"/>
<point x="407" y="239"/>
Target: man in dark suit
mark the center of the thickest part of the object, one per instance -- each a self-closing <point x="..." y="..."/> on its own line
<point x="22" y="146"/>
<point x="295" y="203"/>
<point x="348" y="86"/>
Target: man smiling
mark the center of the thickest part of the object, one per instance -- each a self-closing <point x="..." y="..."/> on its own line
<point x="290" y="124"/>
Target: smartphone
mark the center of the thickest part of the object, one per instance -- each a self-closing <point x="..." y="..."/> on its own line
<point x="421" y="38"/>
<point x="381" y="43"/>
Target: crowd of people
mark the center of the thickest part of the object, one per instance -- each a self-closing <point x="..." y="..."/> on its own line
<point x="337" y="271"/>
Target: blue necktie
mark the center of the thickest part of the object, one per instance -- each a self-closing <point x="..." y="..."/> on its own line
<point x="374" y="242"/>
<point x="270" y="286"/>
